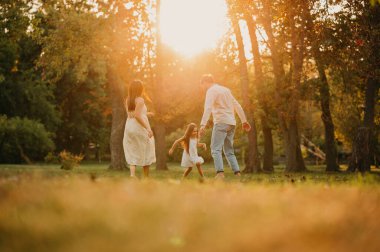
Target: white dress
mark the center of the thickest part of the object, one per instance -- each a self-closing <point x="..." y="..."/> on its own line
<point x="191" y="158"/>
<point x="138" y="147"/>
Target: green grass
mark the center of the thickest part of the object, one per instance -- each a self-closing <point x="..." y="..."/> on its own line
<point x="315" y="174"/>
<point x="44" y="208"/>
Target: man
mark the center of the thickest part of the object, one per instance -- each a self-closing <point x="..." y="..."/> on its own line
<point x="222" y="105"/>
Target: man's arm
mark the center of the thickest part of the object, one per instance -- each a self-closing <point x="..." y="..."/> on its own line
<point x="239" y="110"/>
<point x="207" y="107"/>
<point x="210" y="97"/>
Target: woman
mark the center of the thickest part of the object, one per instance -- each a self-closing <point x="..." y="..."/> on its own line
<point x="138" y="139"/>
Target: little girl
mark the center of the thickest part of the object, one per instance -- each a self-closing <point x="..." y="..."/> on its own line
<point x="190" y="156"/>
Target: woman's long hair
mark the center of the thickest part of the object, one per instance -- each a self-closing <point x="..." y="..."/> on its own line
<point x="186" y="138"/>
<point x="136" y="89"/>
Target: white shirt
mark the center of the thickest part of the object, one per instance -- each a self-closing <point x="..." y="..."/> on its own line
<point x="222" y="104"/>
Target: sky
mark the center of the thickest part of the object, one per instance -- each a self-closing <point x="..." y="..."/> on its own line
<point x="193" y="26"/>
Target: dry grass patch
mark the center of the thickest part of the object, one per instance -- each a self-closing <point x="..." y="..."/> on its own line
<point x="77" y="214"/>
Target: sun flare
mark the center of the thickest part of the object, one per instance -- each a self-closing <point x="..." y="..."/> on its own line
<point x="192" y="26"/>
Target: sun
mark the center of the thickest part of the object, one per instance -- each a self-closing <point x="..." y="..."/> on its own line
<point x="193" y="26"/>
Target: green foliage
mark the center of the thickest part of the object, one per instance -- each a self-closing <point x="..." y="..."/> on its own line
<point x="23" y="140"/>
<point x="23" y="94"/>
<point x="374" y="2"/>
<point x="73" y="42"/>
<point x="85" y="113"/>
<point x="80" y="41"/>
<point x="74" y="61"/>
<point x="22" y="91"/>
<point x="83" y="51"/>
<point x="51" y="158"/>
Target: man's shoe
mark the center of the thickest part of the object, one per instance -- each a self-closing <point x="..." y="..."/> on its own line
<point x="220" y="175"/>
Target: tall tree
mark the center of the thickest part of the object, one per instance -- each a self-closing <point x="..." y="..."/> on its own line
<point x="363" y="147"/>
<point x="28" y="115"/>
<point x="259" y="83"/>
<point x="316" y="40"/>
<point x="117" y="91"/>
<point x="287" y="88"/>
<point x="23" y="92"/>
<point x="158" y="99"/>
<point x="252" y="160"/>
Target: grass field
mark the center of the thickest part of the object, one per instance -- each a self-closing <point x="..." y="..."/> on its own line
<point x="43" y="208"/>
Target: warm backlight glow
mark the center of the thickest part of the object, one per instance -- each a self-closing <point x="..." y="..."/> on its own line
<point x="192" y="26"/>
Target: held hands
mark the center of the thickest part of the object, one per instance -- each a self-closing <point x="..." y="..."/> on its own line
<point x="204" y="146"/>
<point x="202" y="130"/>
<point x="246" y="127"/>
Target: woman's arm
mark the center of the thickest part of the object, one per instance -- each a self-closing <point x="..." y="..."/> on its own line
<point x="176" y="142"/>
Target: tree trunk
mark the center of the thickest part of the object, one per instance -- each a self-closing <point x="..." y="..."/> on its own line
<point x="363" y="148"/>
<point x="118" y="121"/>
<point x="159" y="127"/>
<point x="287" y="109"/>
<point x="252" y="161"/>
<point x="330" y="148"/>
<point x="252" y="164"/>
<point x="295" y="162"/>
<point x="361" y="151"/>
<point x="23" y="155"/>
<point x="161" y="154"/>
<point x="259" y="79"/>
<point x="324" y="90"/>
<point x="268" y="146"/>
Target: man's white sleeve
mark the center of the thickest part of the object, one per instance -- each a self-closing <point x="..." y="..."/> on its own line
<point x="239" y="110"/>
<point x="210" y="96"/>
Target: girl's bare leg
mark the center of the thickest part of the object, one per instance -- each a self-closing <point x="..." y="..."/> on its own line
<point x="132" y="169"/>
<point x="200" y="170"/>
<point x="188" y="170"/>
<point x="146" y="171"/>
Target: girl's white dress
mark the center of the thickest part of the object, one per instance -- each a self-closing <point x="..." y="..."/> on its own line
<point x="191" y="158"/>
<point x="138" y="147"/>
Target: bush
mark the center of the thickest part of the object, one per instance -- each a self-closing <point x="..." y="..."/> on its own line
<point x="23" y="140"/>
<point x="51" y="158"/>
<point x="69" y="160"/>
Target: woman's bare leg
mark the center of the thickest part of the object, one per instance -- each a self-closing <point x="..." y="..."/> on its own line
<point x="132" y="169"/>
<point x="146" y="171"/>
<point x="187" y="171"/>
<point x="200" y="170"/>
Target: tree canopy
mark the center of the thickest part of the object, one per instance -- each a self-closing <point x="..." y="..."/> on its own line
<point x="306" y="72"/>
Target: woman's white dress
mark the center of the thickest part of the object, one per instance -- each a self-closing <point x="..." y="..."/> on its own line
<point x="139" y="149"/>
<point x="191" y="158"/>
